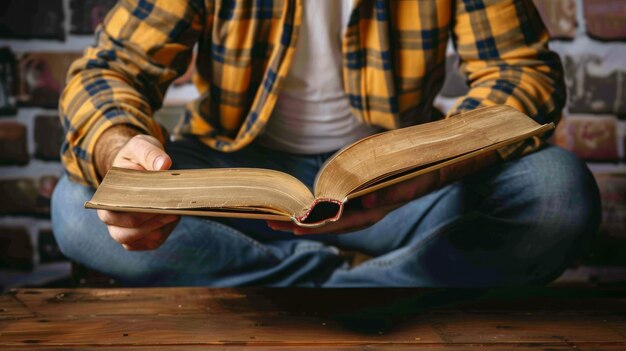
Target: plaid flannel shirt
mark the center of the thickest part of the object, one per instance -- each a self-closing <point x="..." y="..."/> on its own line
<point x="393" y="66"/>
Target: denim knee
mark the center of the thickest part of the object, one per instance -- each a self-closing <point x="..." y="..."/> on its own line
<point x="565" y="202"/>
<point x="70" y="221"/>
<point x="565" y="188"/>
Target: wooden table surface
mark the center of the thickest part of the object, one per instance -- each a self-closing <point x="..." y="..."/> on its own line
<point x="286" y="319"/>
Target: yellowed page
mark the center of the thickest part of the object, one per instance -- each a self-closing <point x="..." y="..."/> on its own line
<point x="396" y="151"/>
<point x="408" y="174"/>
<point x="215" y="191"/>
<point x="236" y="213"/>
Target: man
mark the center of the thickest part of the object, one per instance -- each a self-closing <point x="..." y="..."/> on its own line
<point x="283" y="85"/>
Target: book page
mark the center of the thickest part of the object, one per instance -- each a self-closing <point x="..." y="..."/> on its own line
<point x="226" y="190"/>
<point x="394" y="178"/>
<point x="390" y="153"/>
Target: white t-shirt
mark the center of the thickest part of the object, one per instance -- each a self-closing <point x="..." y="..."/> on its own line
<point x="312" y="114"/>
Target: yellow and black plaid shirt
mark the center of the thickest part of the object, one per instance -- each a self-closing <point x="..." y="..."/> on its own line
<point x="393" y="57"/>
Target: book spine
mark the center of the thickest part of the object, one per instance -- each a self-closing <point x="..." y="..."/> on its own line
<point x="322" y="211"/>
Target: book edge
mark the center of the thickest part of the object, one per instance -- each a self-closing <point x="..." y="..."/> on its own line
<point x="222" y="214"/>
<point x="540" y="130"/>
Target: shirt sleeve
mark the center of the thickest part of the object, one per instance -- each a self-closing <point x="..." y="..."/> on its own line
<point x="140" y="48"/>
<point x="503" y="46"/>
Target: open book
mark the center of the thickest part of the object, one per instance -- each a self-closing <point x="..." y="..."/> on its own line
<point x="362" y="167"/>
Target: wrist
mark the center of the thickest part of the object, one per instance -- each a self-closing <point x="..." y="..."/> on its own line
<point x="109" y="144"/>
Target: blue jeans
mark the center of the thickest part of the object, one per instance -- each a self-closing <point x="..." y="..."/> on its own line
<point x="519" y="222"/>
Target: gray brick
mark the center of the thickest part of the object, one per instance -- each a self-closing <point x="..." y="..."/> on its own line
<point x="88" y="14"/>
<point x="48" y="248"/>
<point x="8" y="82"/>
<point x="593" y="87"/>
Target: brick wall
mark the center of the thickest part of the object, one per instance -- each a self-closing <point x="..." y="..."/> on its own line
<point x="41" y="37"/>
<point x="38" y="41"/>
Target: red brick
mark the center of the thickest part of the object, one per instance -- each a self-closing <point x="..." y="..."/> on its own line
<point x="16" y="248"/>
<point x="13" y="143"/>
<point x="595" y="85"/>
<point x="43" y="77"/>
<point x="559" y="16"/>
<point x="49" y="137"/>
<point x="45" y="187"/>
<point x="592" y="138"/>
<point x="605" y="19"/>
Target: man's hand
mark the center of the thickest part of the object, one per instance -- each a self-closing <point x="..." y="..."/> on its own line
<point x="374" y="206"/>
<point x="124" y="147"/>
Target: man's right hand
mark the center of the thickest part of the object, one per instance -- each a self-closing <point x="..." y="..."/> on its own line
<point x="125" y="148"/>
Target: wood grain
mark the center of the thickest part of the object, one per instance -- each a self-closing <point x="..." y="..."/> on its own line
<point x="11" y="308"/>
<point x="289" y="319"/>
<point x="365" y="347"/>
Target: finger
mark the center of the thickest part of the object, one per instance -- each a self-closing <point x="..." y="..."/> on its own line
<point x="125" y="219"/>
<point x="153" y="240"/>
<point x="370" y="200"/>
<point x="400" y="193"/>
<point x="281" y="225"/>
<point x="129" y="235"/>
<point x="145" y="151"/>
<point x="387" y="196"/>
<point x="156" y="240"/>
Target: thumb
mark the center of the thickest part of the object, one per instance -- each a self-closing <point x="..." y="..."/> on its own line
<point x="161" y="162"/>
<point x="148" y="152"/>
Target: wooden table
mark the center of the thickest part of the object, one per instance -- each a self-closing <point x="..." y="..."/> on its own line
<point x="287" y="319"/>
